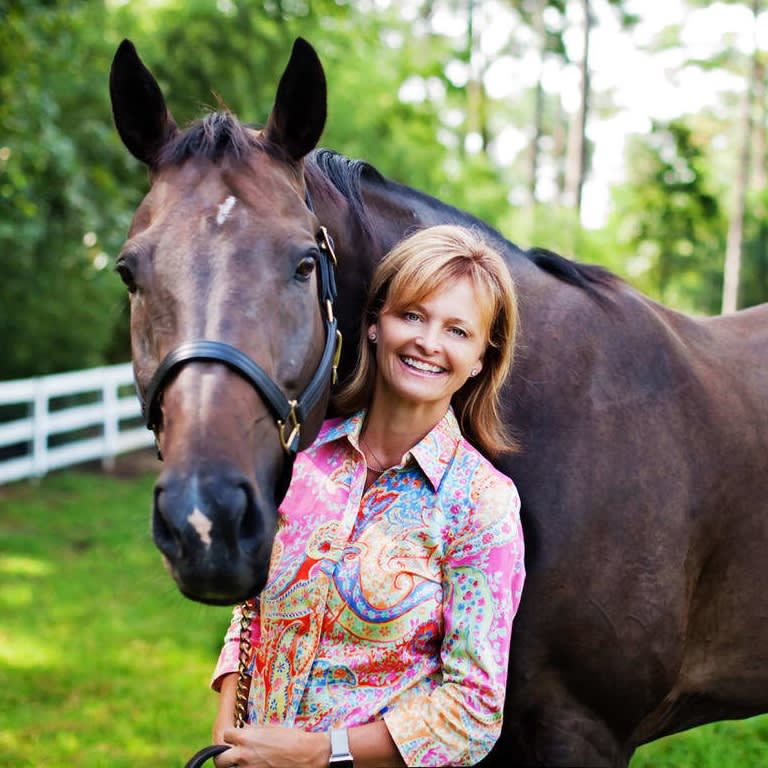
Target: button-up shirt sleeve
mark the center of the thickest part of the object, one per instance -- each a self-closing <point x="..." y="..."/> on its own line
<point x="229" y="657"/>
<point x="459" y="721"/>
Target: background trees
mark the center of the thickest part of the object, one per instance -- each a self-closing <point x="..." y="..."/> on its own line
<point x="473" y="101"/>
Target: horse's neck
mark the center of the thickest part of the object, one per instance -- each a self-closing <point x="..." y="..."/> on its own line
<point x="395" y="210"/>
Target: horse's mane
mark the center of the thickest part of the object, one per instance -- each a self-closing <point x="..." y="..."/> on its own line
<point x="348" y="176"/>
<point x="221" y="134"/>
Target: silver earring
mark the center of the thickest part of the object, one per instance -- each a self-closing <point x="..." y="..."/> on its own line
<point x="474" y="372"/>
<point x="372" y="337"/>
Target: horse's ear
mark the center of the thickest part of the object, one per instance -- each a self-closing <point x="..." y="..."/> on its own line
<point x="298" y="116"/>
<point x="141" y="116"/>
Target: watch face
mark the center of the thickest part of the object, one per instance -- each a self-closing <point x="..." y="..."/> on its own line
<point x="342" y="761"/>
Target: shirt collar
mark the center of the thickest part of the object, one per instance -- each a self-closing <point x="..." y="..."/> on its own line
<point x="433" y="453"/>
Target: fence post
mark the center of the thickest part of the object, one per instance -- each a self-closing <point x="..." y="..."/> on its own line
<point x="111" y="426"/>
<point x="40" y="429"/>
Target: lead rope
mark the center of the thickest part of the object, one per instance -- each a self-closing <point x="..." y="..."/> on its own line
<point x="247" y="615"/>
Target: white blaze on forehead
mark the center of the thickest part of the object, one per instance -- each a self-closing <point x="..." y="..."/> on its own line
<point x="202" y="525"/>
<point x="225" y="209"/>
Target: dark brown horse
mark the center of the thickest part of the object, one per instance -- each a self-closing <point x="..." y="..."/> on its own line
<point x="644" y="470"/>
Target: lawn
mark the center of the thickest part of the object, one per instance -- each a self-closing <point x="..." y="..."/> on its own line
<point x="104" y="664"/>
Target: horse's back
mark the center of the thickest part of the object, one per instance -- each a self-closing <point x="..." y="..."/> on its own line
<point x="645" y="552"/>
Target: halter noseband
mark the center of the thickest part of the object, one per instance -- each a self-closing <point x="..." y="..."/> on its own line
<point x="289" y="414"/>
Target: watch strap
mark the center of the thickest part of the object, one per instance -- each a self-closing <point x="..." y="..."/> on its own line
<point x="341" y="757"/>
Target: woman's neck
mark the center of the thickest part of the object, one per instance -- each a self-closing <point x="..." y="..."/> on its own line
<point x="389" y="433"/>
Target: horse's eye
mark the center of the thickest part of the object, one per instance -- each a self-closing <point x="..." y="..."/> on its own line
<point x="305" y="267"/>
<point x="126" y="275"/>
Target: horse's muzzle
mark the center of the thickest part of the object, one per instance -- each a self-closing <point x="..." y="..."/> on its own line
<point x="215" y="538"/>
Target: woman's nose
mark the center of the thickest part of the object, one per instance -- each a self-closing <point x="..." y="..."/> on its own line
<point x="428" y="341"/>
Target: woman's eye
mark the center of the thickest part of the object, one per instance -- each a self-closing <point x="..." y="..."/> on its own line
<point x="412" y="316"/>
<point x="459" y="332"/>
<point x="305" y="267"/>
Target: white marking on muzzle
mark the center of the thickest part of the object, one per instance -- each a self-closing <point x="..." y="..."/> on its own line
<point x="202" y="525"/>
<point x="225" y="209"/>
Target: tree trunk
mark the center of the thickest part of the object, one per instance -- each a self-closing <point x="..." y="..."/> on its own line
<point x="759" y="142"/>
<point x="477" y="107"/>
<point x="577" y="134"/>
<point x="534" y="147"/>
<point x="559" y="151"/>
<point x="733" y="250"/>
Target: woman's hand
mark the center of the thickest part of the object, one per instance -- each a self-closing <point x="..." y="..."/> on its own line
<point x="274" y="746"/>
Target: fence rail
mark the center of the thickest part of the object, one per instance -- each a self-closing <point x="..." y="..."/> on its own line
<point x="56" y="421"/>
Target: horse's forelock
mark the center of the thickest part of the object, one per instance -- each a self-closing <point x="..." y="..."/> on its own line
<point x="214" y="137"/>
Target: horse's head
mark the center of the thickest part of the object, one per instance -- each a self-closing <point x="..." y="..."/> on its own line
<point x="232" y="329"/>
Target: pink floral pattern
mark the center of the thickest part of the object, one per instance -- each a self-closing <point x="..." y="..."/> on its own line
<point x="396" y="602"/>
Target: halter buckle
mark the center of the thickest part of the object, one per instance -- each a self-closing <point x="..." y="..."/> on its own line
<point x="336" y="359"/>
<point x="327" y="245"/>
<point x="293" y="421"/>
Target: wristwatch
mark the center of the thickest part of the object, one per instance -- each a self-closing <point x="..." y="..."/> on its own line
<point x="340" y="754"/>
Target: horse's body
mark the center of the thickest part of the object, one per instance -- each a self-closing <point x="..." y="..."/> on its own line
<point x="644" y="465"/>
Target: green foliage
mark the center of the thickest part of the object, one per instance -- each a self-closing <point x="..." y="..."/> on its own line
<point x="668" y="221"/>
<point x="754" y="281"/>
<point x="58" y="173"/>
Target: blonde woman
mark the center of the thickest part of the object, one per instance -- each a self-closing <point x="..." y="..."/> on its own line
<point x="383" y="632"/>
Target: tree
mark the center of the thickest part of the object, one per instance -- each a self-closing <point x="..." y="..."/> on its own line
<point x="733" y="252"/>
<point x="548" y="42"/>
<point x="576" y="163"/>
<point x="60" y="303"/>
<point x="667" y="218"/>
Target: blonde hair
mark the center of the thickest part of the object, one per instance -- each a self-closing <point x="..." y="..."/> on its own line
<point x="415" y="268"/>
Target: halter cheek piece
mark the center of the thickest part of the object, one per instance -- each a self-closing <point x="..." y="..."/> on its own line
<point x="289" y="414"/>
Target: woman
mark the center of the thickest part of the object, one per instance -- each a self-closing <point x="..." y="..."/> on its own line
<point x="383" y="632"/>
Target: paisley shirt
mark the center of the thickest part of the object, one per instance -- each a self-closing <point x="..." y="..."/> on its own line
<point x="395" y="603"/>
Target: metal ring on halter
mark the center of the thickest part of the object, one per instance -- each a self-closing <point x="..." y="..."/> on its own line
<point x="295" y="433"/>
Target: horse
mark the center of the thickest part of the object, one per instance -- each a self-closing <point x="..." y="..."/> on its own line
<point x="643" y="471"/>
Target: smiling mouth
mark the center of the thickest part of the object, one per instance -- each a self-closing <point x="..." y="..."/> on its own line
<point x="421" y="366"/>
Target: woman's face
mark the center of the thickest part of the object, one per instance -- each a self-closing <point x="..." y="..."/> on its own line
<point x="426" y="351"/>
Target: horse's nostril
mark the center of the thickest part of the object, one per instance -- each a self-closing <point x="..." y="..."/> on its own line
<point x="166" y="536"/>
<point x="249" y="524"/>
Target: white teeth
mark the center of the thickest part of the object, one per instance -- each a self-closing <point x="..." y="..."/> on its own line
<point x="421" y="366"/>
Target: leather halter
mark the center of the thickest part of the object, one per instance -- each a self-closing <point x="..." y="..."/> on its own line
<point x="289" y="414"/>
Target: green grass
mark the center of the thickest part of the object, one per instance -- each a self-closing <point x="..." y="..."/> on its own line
<point x="728" y="744"/>
<point x="103" y="663"/>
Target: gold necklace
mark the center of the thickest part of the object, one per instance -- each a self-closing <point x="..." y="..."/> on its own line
<point x="381" y="468"/>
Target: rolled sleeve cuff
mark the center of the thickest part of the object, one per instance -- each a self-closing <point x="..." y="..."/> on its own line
<point x="422" y="743"/>
<point x="228" y="663"/>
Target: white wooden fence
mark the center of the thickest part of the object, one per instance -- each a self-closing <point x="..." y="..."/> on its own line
<point x="70" y="418"/>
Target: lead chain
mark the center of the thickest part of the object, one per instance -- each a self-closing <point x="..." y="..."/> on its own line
<point x="247" y="615"/>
